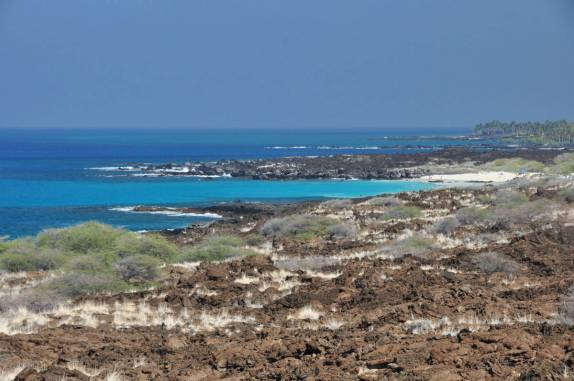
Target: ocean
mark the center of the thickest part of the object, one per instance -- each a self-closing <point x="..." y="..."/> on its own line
<point x="59" y="177"/>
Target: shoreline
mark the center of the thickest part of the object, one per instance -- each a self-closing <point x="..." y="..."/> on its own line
<point x="344" y="167"/>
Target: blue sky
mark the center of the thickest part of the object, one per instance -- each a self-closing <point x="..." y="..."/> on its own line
<point x="289" y="63"/>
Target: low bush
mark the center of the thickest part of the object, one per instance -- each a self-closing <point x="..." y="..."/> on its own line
<point x="523" y="213"/>
<point x="509" y="198"/>
<point x="471" y="215"/>
<point x="445" y="225"/>
<point x="72" y="285"/>
<point x="150" y="245"/>
<point x="301" y="226"/>
<point x="83" y="238"/>
<point x="493" y="262"/>
<point x="563" y="164"/>
<point x="567" y="307"/>
<point x="55" y="248"/>
<point x="402" y="213"/>
<point x="138" y="268"/>
<point x="344" y="230"/>
<point x="216" y="248"/>
<point x="34" y="299"/>
<point x="23" y="255"/>
<point x="93" y="264"/>
<point x="416" y="245"/>
<point x="566" y="194"/>
<point x="92" y="258"/>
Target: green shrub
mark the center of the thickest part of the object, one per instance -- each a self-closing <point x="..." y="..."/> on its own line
<point x="83" y="238"/>
<point x="154" y="246"/>
<point x="299" y="226"/>
<point x="216" y="248"/>
<point x="138" y="268"/>
<point x="91" y="264"/>
<point x="23" y="255"/>
<point x="563" y="164"/>
<point x="17" y="262"/>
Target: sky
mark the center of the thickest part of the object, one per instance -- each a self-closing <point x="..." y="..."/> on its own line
<point x="288" y="63"/>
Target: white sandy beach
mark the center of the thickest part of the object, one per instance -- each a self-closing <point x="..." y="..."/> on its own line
<point x="476" y="177"/>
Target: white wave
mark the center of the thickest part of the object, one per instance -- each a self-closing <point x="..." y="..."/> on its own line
<point x="147" y="174"/>
<point x="171" y="212"/>
<point x="325" y="147"/>
<point x="288" y="147"/>
<point x="179" y="174"/>
<point x="210" y="176"/>
<point x="350" y="147"/>
<point x="114" y="169"/>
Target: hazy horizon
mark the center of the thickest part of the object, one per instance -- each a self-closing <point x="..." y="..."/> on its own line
<point x="250" y="64"/>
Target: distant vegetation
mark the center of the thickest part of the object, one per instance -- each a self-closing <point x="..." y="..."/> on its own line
<point x="559" y="133"/>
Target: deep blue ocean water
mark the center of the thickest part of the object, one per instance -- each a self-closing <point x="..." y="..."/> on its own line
<point x="48" y="176"/>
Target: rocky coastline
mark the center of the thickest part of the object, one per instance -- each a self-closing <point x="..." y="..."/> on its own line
<point x="346" y="167"/>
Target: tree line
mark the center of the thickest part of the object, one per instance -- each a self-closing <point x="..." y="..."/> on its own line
<point x="559" y="132"/>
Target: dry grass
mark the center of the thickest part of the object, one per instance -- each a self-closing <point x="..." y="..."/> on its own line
<point x="124" y="315"/>
<point x="306" y="313"/>
<point x="9" y="374"/>
<point x="451" y="327"/>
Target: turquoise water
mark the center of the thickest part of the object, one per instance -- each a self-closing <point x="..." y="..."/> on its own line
<point x="28" y="206"/>
<point x="182" y="191"/>
<point x="47" y="177"/>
